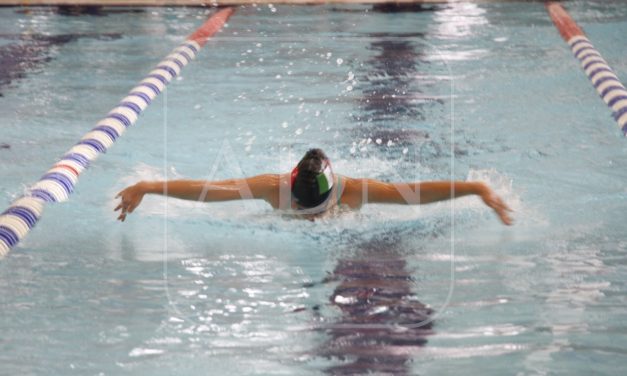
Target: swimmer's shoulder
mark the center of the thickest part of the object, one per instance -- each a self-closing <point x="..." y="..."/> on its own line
<point x="352" y="191"/>
<point x="269" y="187"/>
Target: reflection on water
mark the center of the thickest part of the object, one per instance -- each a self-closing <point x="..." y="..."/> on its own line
<point x="32" y="51"/>
<point x="575" y="282"/>
<point x="459" y="20"/>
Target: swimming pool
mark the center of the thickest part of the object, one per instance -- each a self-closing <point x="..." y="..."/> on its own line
<point x="484" y="91"/>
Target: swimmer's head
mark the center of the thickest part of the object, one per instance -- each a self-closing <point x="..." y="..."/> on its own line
<point x="312" y="179"/>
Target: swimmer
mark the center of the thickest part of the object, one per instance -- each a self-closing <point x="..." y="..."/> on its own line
<point x="311" y="190"/>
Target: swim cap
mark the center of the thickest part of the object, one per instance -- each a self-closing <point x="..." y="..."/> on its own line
<point x="310" y="190"/>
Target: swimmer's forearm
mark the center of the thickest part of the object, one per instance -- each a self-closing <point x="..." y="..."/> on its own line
<point x="433" y="191"/>
<point x="375" y="191"/>
<point x="445" y="190"/>
<point x="197" y="190"/>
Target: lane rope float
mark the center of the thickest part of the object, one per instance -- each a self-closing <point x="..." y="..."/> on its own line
<point x="58" y="183"/>
<point x="600" y="74"/>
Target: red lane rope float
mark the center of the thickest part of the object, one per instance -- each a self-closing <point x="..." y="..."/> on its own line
<point x="212" y="26"/>
<point x="58" y="182"/>
<point x="600" y="74"/>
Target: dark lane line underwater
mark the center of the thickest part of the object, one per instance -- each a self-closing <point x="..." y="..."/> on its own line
<point x="380" y="314"/>
<point x="377" y="327"/>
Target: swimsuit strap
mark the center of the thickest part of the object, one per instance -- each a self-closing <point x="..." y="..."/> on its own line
<point x="339" y="189"/>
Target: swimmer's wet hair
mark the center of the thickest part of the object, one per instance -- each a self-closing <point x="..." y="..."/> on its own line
<point x="311" y="165"/>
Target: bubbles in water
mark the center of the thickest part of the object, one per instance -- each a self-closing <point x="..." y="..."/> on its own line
<point x="339" y="61"/>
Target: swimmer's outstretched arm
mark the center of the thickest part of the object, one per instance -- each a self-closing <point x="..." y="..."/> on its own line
<point x="375" y="191"/>
<point x="256" y="187"/>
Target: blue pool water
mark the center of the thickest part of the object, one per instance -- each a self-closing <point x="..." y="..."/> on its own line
<point x="465" y="91"/>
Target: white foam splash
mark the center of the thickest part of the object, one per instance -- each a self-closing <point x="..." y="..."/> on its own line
<point x="500" y="183"/>
<point x="525" y="216"/>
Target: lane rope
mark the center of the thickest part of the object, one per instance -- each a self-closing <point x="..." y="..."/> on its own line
<point x="600" y="74"/>
<point x="58" y="183"/>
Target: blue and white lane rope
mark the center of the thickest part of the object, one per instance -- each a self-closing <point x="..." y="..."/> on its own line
<point x="602" y="77"/>
<point x="58" y="182"/>
<point x="596" y="68"/>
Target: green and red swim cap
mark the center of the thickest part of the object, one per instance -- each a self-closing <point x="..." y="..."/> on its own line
<point x="312" y="179"/>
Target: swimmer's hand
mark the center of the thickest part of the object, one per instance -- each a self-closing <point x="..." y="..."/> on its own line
<point x="496" y="203"/>
<point x="130" y="198"/>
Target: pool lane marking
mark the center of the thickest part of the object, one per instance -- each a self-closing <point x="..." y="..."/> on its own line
<point x="600" y="74"/>
<point x="58" y="183"/>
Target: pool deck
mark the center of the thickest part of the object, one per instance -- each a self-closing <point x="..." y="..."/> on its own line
<point x="155" y="3"/>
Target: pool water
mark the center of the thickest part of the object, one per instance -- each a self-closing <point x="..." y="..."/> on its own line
<point x="464" y="91"/>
